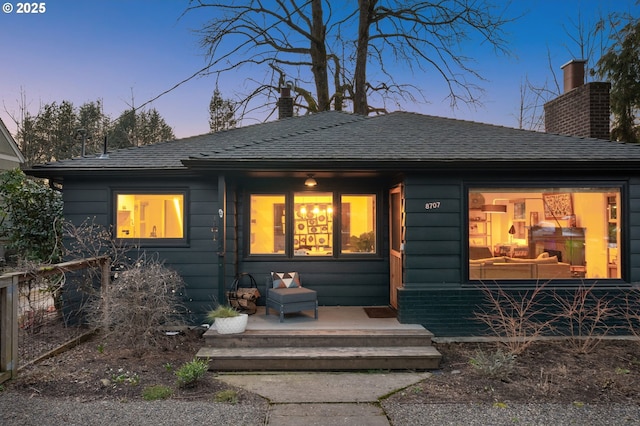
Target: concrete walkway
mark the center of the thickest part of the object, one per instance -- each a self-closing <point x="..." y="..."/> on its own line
<point x="324" y="398"/>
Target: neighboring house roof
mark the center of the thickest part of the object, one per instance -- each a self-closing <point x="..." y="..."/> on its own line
<point x="10" y="155"/>
<point x="340" y="140"/>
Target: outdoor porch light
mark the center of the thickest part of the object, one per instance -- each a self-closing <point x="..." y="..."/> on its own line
<point x="310" y="182"/>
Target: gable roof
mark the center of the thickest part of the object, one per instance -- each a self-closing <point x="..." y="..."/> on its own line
<point x="9" y="151"/>
<point x="340" y="140"/>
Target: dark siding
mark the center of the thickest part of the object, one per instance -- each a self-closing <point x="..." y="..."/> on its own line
<point x="436" y="293"/>
<point x="196" y="263"/>
<point x="433" y="237"/>
<point x="634" y="230"/>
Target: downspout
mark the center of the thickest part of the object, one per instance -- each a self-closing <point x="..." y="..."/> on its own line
<point x="220" y="235"/>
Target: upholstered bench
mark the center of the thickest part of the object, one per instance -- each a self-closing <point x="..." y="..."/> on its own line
<point x="284" y="293"/>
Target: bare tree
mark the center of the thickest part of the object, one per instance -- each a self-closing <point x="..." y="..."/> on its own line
<point x="314" y="42"/>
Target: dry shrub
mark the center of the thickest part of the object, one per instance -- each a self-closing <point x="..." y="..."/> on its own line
<point x="586" y="317"/>
<point x="631" y="311"/>
<point x="517" y="318"/>
<point x="143" y="298"/>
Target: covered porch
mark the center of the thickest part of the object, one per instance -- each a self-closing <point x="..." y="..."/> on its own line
<point x="343" y="338"/>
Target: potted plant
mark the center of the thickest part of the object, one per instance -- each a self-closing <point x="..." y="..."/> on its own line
<point x="228" y="320"/>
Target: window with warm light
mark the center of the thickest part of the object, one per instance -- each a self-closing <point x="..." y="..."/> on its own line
<point x="358" y="227"/>
<point x="267" y="230"/>
<point x="313" y="226"/>
<point x="319" y="226"/>
<point x="544" y="233"/>
<point x="150" y="216"/>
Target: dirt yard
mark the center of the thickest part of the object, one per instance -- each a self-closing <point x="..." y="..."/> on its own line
<point x="546" y="372"/>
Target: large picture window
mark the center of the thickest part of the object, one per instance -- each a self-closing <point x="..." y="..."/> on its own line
<point x="150" y="216"/>
<point x="543" y="234"/>
<point x="322" y="224"/>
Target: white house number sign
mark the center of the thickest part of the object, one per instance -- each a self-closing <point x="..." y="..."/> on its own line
<point x="432" y="205"/>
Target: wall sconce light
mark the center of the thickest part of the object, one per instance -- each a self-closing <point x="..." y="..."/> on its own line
<point x="310" y="182"/>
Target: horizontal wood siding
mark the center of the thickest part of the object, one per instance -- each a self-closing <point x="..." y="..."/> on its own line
<point x="338" y="282"/>
<point x="433" y="236"/>
<point x="196" y="263"/>
<point x="634" y="230"/>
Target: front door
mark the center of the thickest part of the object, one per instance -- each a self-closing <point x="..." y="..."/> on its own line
<point x="396" y="238"/>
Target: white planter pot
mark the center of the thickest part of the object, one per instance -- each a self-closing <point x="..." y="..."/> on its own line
<point x="232" y="325"/>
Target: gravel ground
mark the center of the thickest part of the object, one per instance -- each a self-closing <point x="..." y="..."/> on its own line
<point x="16" y="410"/>
<point x="530" y="415"/>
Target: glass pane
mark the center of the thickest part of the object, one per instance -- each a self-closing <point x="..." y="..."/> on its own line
<point x="268" y="224"/>
<point x="542" y="234"/>
<point x="358" y="223"/>
<point x="150" y="216"/>
<point x="313" y="224"/>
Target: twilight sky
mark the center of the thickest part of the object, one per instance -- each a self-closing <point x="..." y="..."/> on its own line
<point x="116" y="50"/>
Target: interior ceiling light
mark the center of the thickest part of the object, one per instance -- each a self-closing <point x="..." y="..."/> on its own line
<point x="310" y="182"/>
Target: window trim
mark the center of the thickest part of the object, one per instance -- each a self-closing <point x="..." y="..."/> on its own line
<point x="288" y="255"/>
<point x="152" y="242"/>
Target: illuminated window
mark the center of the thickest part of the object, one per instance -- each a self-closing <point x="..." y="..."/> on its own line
<point x="268" y="224"/>
<point x="542" y="234"/>
<point x="358" y="227"/>
<point x="313" y="227"/>
<point x="141" y="216"/>
<point x="314" y="221"/>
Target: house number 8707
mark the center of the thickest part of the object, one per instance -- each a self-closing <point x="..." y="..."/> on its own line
<point x="432" y="205"/>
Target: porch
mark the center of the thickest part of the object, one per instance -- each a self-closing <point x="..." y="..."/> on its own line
<point x="343" y="338"/>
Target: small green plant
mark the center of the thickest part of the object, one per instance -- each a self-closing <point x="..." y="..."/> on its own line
<point x="153" y="393"/>
<point x="191" y="372"/>
<point x="620" y="370"/>
<point x="222" y="311"/>
<point x="498" y="364"/>
<point x="228" y="395"/>
<point x="101" y="348"/>
<point x="169" y="367"/>
<point x="125" y="377"/>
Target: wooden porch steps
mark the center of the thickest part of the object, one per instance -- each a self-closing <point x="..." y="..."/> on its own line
<point x="287" y="350"/>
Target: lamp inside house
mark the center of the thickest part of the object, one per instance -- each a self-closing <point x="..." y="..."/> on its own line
<point x="310" y="182"/>
<point x="512" y="230"/>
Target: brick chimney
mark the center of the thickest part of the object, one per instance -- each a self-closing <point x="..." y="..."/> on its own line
<point x="285" y="103"/>
<point x="583" y="109"/>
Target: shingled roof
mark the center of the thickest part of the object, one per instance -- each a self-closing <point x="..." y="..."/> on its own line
<point x="346" y="140"/>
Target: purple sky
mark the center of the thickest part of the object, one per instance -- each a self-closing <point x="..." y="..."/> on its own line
<point x="114" y="50"/>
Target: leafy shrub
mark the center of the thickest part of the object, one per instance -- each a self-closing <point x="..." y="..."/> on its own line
<point x="30" y="218"/>
<point x="191" y="372"/>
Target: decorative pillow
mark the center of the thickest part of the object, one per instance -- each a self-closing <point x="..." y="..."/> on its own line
<point x="286" y="279"/>
<point x="543" y="255"/>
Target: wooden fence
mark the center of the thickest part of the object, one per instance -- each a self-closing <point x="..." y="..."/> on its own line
<point x="9" y="304"/>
